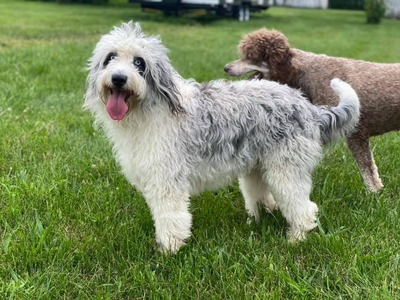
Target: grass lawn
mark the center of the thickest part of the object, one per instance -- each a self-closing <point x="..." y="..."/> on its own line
<point x="71" y="227"/>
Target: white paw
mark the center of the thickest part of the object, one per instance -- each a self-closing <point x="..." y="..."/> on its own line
<point x="172" y="231"/>
<point x="253" y="217"/>
<point x="170" y="246"/>
<point x="295" y="235"/>
<point x="269" y="203"/>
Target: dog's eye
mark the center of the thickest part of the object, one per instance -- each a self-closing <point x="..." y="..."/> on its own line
<point x="110" y="57"/>
<point x="139" y="64"/>
<point x="138" y="61"/>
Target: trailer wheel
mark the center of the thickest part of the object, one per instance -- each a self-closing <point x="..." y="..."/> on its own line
<point x="242" y="12"/>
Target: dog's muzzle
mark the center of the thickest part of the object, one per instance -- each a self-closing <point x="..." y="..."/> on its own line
<point x="243" y="67"/>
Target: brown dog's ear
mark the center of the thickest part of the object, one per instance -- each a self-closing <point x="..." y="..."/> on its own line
<point x="278" y="47"/>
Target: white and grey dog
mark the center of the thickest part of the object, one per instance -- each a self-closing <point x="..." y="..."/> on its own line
<point x="174" y="137"/>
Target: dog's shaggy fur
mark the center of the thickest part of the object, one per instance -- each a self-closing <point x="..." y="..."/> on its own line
<point x="174" y="137"/>
<point x="378" y="86"/>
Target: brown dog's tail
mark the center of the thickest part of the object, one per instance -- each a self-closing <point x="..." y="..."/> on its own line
<point x="339" y="121"/>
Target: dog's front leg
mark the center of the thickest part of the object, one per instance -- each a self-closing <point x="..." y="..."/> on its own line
<point x="172" y="220"/>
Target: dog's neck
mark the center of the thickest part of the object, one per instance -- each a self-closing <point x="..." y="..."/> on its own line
<point x="287" y="72"/>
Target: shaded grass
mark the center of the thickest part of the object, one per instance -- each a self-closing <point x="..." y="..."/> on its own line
<point x="72" y="227"/>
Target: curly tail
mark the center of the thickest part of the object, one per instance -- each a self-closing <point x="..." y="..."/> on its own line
<point x="339" y="121"/>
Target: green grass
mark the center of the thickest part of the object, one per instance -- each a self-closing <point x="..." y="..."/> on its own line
<point x="71" y="227"/>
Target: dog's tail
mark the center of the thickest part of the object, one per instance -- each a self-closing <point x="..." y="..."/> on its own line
<point x="339" y="121"/>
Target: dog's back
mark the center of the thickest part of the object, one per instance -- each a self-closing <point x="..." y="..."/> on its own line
<point x="376" y="84"/>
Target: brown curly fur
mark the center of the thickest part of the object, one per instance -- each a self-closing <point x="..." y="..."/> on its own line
<point x="377" y="85"/>
<point x="257" y="48"/>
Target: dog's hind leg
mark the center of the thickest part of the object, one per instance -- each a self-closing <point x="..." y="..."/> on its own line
<point x="172" y="220"/>
<point x="291" y="187"/>
<point x="359" y="146"/>
<point x="255" y="192"/>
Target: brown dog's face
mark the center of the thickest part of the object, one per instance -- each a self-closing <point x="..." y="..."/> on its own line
<point x="244" y="66"/>
<point x="262" y="52"/>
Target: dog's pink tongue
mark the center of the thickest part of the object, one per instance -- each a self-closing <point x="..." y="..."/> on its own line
<point x="116" y="105"/>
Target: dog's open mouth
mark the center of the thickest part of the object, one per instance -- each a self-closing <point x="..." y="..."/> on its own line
<point x="256" y="76"/>
<point x="117" y="105"/>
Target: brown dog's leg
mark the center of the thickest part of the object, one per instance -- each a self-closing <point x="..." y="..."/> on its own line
<point x="359" y="146"/>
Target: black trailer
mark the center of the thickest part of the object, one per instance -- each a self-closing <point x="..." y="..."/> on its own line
<point x="239" y="9"/>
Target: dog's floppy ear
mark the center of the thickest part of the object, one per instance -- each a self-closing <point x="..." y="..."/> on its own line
<point x="279" y="47"/>
<point x="161" y="78"/>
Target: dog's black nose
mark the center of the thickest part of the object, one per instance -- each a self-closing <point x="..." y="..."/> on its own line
<point x="119" y="80"/>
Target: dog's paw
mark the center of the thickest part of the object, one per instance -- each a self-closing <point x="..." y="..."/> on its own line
<point x="295" y="235"/>
<point x="304" y="221"/>
<point x="269" y="203"/>
<point x="172" y="230"/>
<point x="252" y="220"/>
<point x="373" y="184"/>
<point x="253" y="216"/>
<point x="171" y="246"/>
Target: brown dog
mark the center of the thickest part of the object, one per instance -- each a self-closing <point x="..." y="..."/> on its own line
<point x="268" y="53"/>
